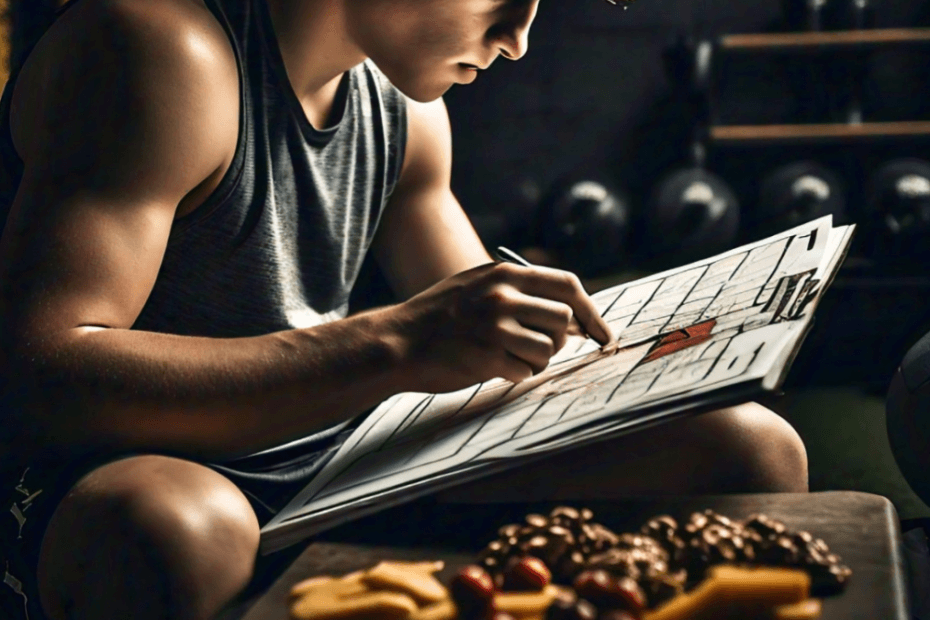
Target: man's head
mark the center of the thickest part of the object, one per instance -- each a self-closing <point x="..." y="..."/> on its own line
<point x="426" y="46"/>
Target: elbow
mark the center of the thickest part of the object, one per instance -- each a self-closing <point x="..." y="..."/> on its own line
<point x="47" y="398"/>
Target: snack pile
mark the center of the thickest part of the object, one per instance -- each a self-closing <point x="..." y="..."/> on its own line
<point x="564" y="566"/>
<point x="663" y="558"/>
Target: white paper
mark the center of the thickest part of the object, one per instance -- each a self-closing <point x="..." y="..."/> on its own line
<point x="737" y="313"/>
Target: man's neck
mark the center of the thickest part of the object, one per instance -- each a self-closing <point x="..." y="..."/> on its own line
<point x="316" y="49"/>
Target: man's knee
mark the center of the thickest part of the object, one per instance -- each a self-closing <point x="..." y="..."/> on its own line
<point x="757" y="450"/>
<point x="174" y="533"/>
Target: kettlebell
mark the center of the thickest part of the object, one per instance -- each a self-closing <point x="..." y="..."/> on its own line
<point x="585" y="221"/>
<point x="804" y="14"/>
<point x="693" y="214"/>
<point x="898" y="198"/>
<point x="506" y="217"/>
<point x="849" y="14"/>
<point x="796" y="193"/>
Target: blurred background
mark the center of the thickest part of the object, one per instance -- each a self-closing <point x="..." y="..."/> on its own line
<point x="708" y="123"/>
<point x="629" y="141"/>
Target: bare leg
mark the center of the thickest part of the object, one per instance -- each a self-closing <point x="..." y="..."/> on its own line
<point x="742" y="449"/>
<point x="147" y="537"/>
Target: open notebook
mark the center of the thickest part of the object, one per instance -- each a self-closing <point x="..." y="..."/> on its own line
<point x="714" y="332"/>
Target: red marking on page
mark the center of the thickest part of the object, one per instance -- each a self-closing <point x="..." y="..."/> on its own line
<point x="681" y="339"/>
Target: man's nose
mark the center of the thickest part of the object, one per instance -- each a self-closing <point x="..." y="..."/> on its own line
<point x="514" y="41"/>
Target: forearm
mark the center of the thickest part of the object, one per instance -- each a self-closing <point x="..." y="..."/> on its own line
<point x="209" y="398"/>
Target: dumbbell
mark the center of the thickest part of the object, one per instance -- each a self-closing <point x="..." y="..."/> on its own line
<point x="796" y="193"/>
<point x="585" y="221"/>
<point x="898" y="200"/>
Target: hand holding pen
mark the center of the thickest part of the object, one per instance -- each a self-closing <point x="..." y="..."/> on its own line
<point x="506" y="255"/>
<point x="496" y="319"/>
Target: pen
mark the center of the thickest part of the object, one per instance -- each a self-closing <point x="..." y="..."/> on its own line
<point x="505" y="255"/>
<point x="509" y="256"/>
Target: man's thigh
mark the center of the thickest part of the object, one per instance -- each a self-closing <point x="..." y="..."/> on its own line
<point x="746" y="448"/>
<point x="30" y="494"/>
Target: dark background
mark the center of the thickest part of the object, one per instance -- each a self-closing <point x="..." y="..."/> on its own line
<point x="592" y="92"/>
<point x="593" y="100"/>
<point x="593" y="97"/>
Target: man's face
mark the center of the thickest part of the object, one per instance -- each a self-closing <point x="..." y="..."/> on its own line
<point x="426" y="46"/>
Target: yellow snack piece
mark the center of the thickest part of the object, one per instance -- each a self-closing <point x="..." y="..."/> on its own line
<point x="772" y="585"/>
<point x="425" y="566"/>
<point x="443" y="610"/>
<point x="521" y="604"/>
<point x="417" y="582"/>
<point x="805" y="610"/>
<point x="347" y="585"/>
<point x="321" y="605"/>
<point x="306" y="585"/>
<point x="736" y="592"/>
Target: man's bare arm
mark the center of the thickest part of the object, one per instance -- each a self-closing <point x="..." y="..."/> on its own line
<point x="122" y="111"/>
<point x="427" y="246"/>
<point x="424" y="235"/>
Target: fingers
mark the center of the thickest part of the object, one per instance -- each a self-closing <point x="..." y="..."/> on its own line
<point x="515" y="370"/>
<point x="560" y="286"/>
<point x="552" y="318"/>
<point x="528" y="346"/>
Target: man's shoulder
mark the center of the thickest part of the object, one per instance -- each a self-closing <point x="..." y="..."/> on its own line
<point x="128" y="64"/>
<point x="181" y="13"/>
<point x="184" y="28"/>
<point x="127" y="46"/>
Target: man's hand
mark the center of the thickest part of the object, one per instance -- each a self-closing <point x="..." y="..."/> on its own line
<point x="495" y="320"/>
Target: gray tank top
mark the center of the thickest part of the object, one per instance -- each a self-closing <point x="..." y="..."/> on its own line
<point x="281" y="241"/>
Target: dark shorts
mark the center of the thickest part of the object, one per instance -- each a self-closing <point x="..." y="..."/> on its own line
<point x="31" y="493"/>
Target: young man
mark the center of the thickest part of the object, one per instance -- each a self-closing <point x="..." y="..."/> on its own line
<point x="192" y="186"/>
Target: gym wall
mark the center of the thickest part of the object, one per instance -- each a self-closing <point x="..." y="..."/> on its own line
<point x="592" y="94"/>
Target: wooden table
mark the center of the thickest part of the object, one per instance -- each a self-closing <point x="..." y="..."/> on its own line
<point x="862" y="528"/>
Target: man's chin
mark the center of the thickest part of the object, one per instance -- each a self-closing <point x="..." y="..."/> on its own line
<point x="422" y="92"/>
<point x="425" y="95"/>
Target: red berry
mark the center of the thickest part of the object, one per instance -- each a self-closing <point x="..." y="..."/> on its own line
<point x="631" y="596"/>
<point x="526" y="574"/>
<point x="596" y="586"/>
<point x="472" y="591"/>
